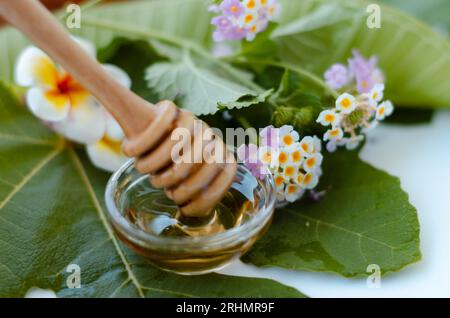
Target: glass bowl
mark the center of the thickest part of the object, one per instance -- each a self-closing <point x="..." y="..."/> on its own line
<point x="189" y="255"/>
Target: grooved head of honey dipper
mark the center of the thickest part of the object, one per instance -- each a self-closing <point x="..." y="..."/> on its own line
<point x="206" y="170"/>
<point x="203" y="204"/>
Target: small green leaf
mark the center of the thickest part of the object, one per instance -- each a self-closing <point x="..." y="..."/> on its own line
<point x="365" y="218"/>
<point x="52" y="215"/>
<point x="247" y="100"/>
<point x="198" y="89"/>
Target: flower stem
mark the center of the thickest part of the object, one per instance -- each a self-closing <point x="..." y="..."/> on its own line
<point x="164" y="37"/>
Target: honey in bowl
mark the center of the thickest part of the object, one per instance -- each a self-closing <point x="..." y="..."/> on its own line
<point x="152" y="225"/>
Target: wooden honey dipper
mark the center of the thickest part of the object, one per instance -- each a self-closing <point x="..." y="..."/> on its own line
<point x="193" y="184"/>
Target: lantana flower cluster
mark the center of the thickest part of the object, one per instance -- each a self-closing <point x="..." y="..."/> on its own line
<point x="242" y="19"/>
<point x="294" y="163"/>
<point x="360" y="108"/>
<point x="56" y="98"/>
<point x="353" y="116"/>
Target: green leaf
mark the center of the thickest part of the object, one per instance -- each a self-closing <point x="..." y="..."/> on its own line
<point x="198" y="89"/>
<point x="262" y="46"/>
<point x="52" y="215"/>
<point x="187" y="20"/>
<point x="416" y="59"/>
<point x="133" y="57"/>
<point x="434" y="12"/>
<point x="365" y="218"/>
<point x="247" y="100"/>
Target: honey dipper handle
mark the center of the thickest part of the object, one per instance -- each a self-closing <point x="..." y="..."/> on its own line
<point x="38" y="24"/>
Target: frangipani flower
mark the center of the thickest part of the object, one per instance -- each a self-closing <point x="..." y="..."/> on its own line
<point x="242" y="19"/>
<point x="294" y="163"/>
<point x="58" y="99"/>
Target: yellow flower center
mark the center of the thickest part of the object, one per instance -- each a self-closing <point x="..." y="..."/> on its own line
<point x="345" y="103"/>
<point x="311" y="162"/>
<point x="279" y="180"/>
<point x="267" y="157"/>
<point x="251" y="4"/>
<point x="364" y="84"/>
<point x="305" y="147"/>
<point x="234" y="9"/>
<point x="289" y="171"/>
<point x="381" y="111"/>
<point x="288" y="140"/>
<point x="110" y="144"/>
<point x="329" y="117"/>
<point x="300" y="178"/>
<point x="291" y="189"/>
<point x="282" y="158"/>
<point x="334" y="132"/>
<point x="308" y="178"/>
<point x="248" y="18"/>
<point x="296" y="156"/>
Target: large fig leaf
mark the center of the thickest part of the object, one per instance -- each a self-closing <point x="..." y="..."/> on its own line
<point x="52" y="215"/>
<point x="415" y="58"/>
<point x="434" y="12"/>
<point x="365" y="218"/>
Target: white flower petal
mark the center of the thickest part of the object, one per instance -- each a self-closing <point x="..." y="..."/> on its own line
<point x="46" y="105"/>
<point x="333" y="134"/>
<point x="292" y="192"/>
<point x="328" y="117"/>
<point x="346" y="103"/>
<point x="34" y="67"/>
<point x="331" y="146"/>
<point x="105" y="157"/>
<point x="86" y="123"/>
<point x="113" y="130"/>
<point x="317" y="144"/>
<point x="120" y="75"/>
<point x="86" y="45"/>
<point x="353" y="143"/>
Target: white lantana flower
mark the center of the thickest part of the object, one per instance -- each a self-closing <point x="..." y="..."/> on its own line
<point x="55" y="97"/>
<point x="295" y="164"/>
<point x="384" y="109"/>
<point x="356" y="116"/>
<point x="288" y="136"/>
<point x="376" y="94"/>
<point x="328" y="117"/>
<point x="346" y="103"/>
